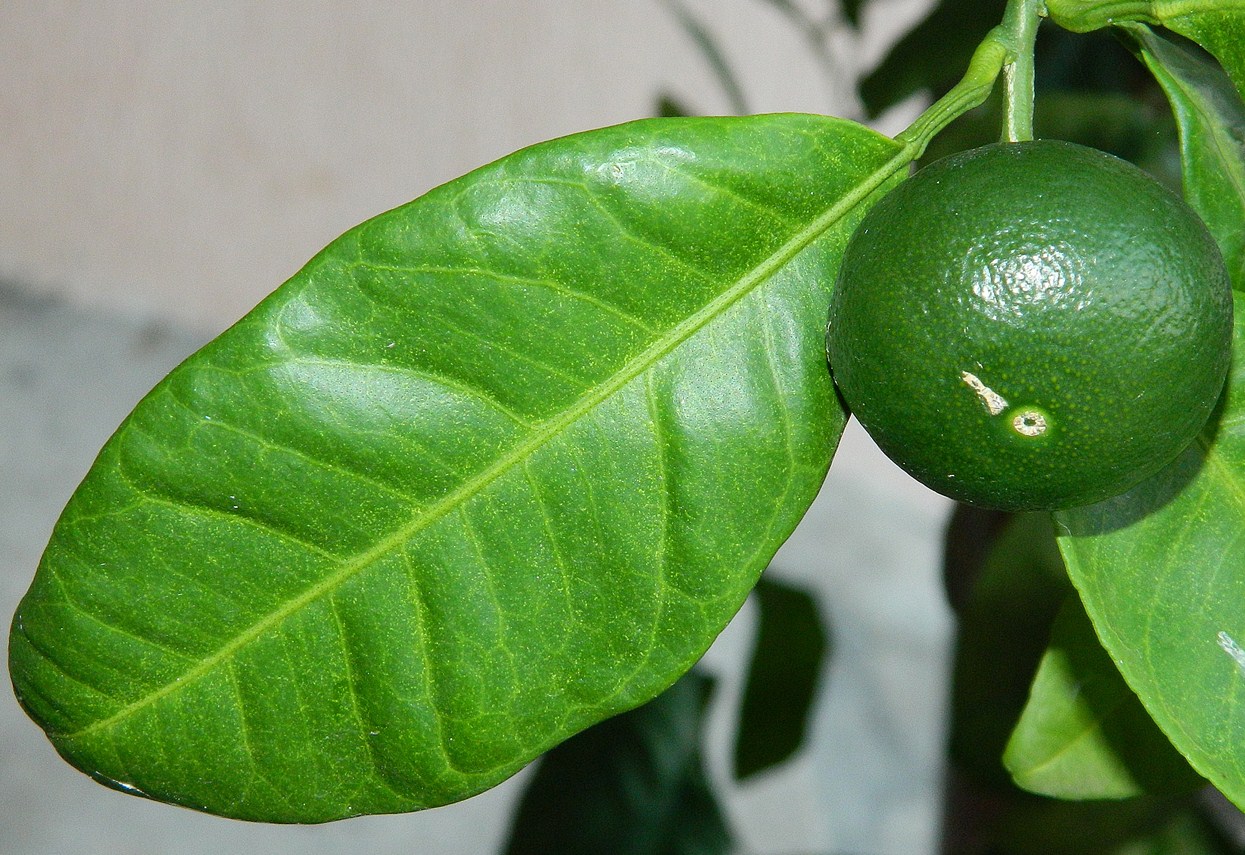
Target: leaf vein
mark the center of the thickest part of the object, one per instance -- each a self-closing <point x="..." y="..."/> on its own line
<point x="354" y="690"/>
<point x="541" y="282"/>
<point x="432" y="685"/>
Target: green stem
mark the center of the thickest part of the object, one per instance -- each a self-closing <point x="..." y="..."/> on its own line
<point x="1007" y="49"/>
<point x="974" y="87"/>
<point x="1020" y="22"/>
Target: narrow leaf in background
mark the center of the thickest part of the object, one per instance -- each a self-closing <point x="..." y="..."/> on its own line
<point x="1083" y="733"/>
<point x="669" y="107"/>
<point x="851" y="10"/>
<point x="782" y="678"/>
<point x="709" y="48"/>
<point x="632" y="785"/>
<point x="494" y="466"/>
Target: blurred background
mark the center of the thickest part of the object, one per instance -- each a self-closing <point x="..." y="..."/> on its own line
<point x="166" y="165"/>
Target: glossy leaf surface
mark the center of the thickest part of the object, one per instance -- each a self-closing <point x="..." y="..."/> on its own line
<point x="1161" y="570"/>
<point x="492" y="467"/>
<point x="1211" y="119"/>
<point x="1083" y="733"/>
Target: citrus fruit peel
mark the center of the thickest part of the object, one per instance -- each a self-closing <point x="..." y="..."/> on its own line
<point x="1031" y="325"/>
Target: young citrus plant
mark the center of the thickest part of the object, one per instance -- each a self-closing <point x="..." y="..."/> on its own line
<point x="501" y="463"/>
<point x="1032" y="325"/>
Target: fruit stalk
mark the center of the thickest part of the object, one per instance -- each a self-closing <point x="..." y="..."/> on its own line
<point x="1008" y="48"/>
<point x="1019" y="28"/>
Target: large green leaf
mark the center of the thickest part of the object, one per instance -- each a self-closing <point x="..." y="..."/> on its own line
<point x="1161" y="571"/>
<point x="1217" y="25"/>
<point x="1083" y="733"/>
<point x="1211" y="119"/>
<point x="492" y="467"/>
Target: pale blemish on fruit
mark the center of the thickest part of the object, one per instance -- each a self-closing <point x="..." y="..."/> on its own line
<point x="1029" y="423"/>
<point x="993" y="401"/>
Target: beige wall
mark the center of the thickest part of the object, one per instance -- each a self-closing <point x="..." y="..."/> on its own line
<point x="182" y="159"/>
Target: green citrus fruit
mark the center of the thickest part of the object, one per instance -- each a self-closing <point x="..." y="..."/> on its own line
<point x="1033" y="325"/>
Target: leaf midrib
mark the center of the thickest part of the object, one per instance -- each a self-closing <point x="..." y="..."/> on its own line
<point x="539" y="436"/>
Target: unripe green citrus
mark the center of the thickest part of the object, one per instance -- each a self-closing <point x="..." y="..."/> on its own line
<point x="1033" y="325"/>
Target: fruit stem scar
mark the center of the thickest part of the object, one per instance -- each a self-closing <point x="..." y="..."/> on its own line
<point x="1233" y="649"/>
<point x="994" y="402"/>
<point x="1029" y="423"/>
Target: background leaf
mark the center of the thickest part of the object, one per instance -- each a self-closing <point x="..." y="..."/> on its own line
<point x="713" y="54"/>
<point x="632" y="785"/>
<point x="1140" y="826"/>
<point x="851" y="10"/>
<point x="1007" y="598"/>
<point x="1083" y="733"/>
<point x="782" y="678"/>
<point x="494" y="466"/>
<point x="1006" y="582"/>
<point x="1211" y="119"/>
<point x="1185" y="833"/>
<point x="1161" y="571"/>
<point x="1217" y="25"/>
<point x="669" y="107"/>
<point x="933" y="55"/>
